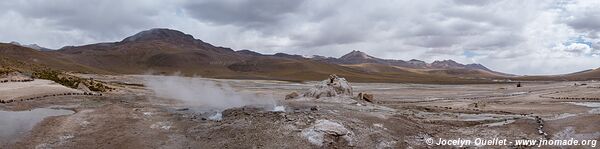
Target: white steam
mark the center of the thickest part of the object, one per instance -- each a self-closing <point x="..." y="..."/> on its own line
<point x="200" y="92"/>
<point x="216" y="117"/>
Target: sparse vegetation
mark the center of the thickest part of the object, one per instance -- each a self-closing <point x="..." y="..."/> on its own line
<point x="4" y="70"/>
<point x="69" y="80"/>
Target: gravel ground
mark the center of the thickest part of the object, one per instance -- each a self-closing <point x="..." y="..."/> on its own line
<point x="404" y="115"/>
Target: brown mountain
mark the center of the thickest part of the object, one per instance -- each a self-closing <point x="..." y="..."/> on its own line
<point x="357" y="59"/>
<point x="27" y="59"/>
<point x="32" y="46"/>
<point x="160" y="50"/>
<point x="590" y="74"/>
<point x="169" y="51"/>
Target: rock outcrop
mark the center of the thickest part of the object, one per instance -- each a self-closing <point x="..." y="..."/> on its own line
<point x="326" y="132"/>
<point x="365" y="97"/>
<point x="291" y="95"/>
<point x="332" y="87"/>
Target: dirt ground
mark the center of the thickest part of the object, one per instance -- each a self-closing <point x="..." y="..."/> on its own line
<point x="38" y="87"/>
<point x="403" y="116"/>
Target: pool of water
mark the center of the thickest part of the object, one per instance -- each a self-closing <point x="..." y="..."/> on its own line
<point x="14" y="124"/>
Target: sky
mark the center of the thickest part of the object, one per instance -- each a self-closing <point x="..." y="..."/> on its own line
<point x="513" y="36"/>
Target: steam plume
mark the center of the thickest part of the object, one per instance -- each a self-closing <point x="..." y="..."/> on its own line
<point x="203" y="92"/>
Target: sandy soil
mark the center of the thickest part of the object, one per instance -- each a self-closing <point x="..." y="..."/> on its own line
<point x="403" y="116"/>
<point x="38" y="87"/>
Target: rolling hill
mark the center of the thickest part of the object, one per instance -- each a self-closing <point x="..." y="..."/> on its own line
<point x="166" y="51"/>
<point x="26" y="59"/>
<point x="363" y="61"/>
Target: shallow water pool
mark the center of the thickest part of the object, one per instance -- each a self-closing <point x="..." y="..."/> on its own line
<point x="14" y="124"/>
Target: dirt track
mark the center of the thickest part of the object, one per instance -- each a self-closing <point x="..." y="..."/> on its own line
<point x="132" y="118"/>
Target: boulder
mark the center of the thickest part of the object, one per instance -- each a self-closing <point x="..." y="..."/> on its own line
<point x="291" y="95"/>
<point x="326" y="132"/>
<point x="365" y="97"/>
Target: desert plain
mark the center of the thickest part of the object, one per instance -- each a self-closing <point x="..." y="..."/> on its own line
<point x="137" y="115"/>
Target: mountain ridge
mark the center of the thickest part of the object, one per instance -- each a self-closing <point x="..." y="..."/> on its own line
<point x="358" y="57"/>
<point x="32" y="46"/>
<point x="167" y="51"/>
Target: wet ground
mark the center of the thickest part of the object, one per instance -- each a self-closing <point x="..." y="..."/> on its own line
<point x="15" y="124"/>
<point x="404" y="115"/>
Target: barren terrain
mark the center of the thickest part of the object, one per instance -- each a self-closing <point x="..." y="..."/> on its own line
<point x="402" y="116"/>
<point x="38" y="87"/>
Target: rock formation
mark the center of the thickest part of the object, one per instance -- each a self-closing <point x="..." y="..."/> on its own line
<point x="332" y="87"/>
<point x="291" y="95"/>
<point x="326" y="132"/>
<point x="365" y="97"/>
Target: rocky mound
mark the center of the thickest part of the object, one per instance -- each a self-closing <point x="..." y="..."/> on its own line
<point x="332" y="87"/>
<point x="328" y="132"/>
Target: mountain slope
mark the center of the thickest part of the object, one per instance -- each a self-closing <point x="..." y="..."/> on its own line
<point x="358" y="57"/>
<point x="32" y="46"/>
<point x="167" y="51"/>
<point x="441" y="68"/>
<point x="27" y="59"/>
<point x="591" y="74"/>
<point x="160" y="50"/>
<point x="585" y="75"/>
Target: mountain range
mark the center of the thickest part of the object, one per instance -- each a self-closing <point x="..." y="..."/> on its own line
<point x="32" y="46"/>
<point x="358" y="57"/>
<point x="167" y="51"/>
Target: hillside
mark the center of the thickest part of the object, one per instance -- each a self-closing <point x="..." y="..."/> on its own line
<point x="363" y="61"/>
<point x="166" y="51"/>
<point x="591" y="74"/>
<point x="27" y="59"/>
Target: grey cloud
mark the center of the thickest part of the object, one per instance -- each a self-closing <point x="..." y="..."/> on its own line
<point x="493" y="42"/>
<point x="247" y="13"/>
<point x="328" y="38"/>
<point x="433" y="41"/>
<point x="473" y="2"/>
<point x="585" y="19"/>
<point x="100" y="19"/>
<point x="589" y="21"/>
<point x="448" y="27"/>
<point x="485" y="25"/>
<point x="439" y="28"/>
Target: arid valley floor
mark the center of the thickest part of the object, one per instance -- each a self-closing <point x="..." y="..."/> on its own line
<point x="401" y="116"/>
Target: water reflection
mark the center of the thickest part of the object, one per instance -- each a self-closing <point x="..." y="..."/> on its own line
<point x="14" y="124"/>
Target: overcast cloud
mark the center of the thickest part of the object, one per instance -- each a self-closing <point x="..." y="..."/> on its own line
<point x="513" y="36"/>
